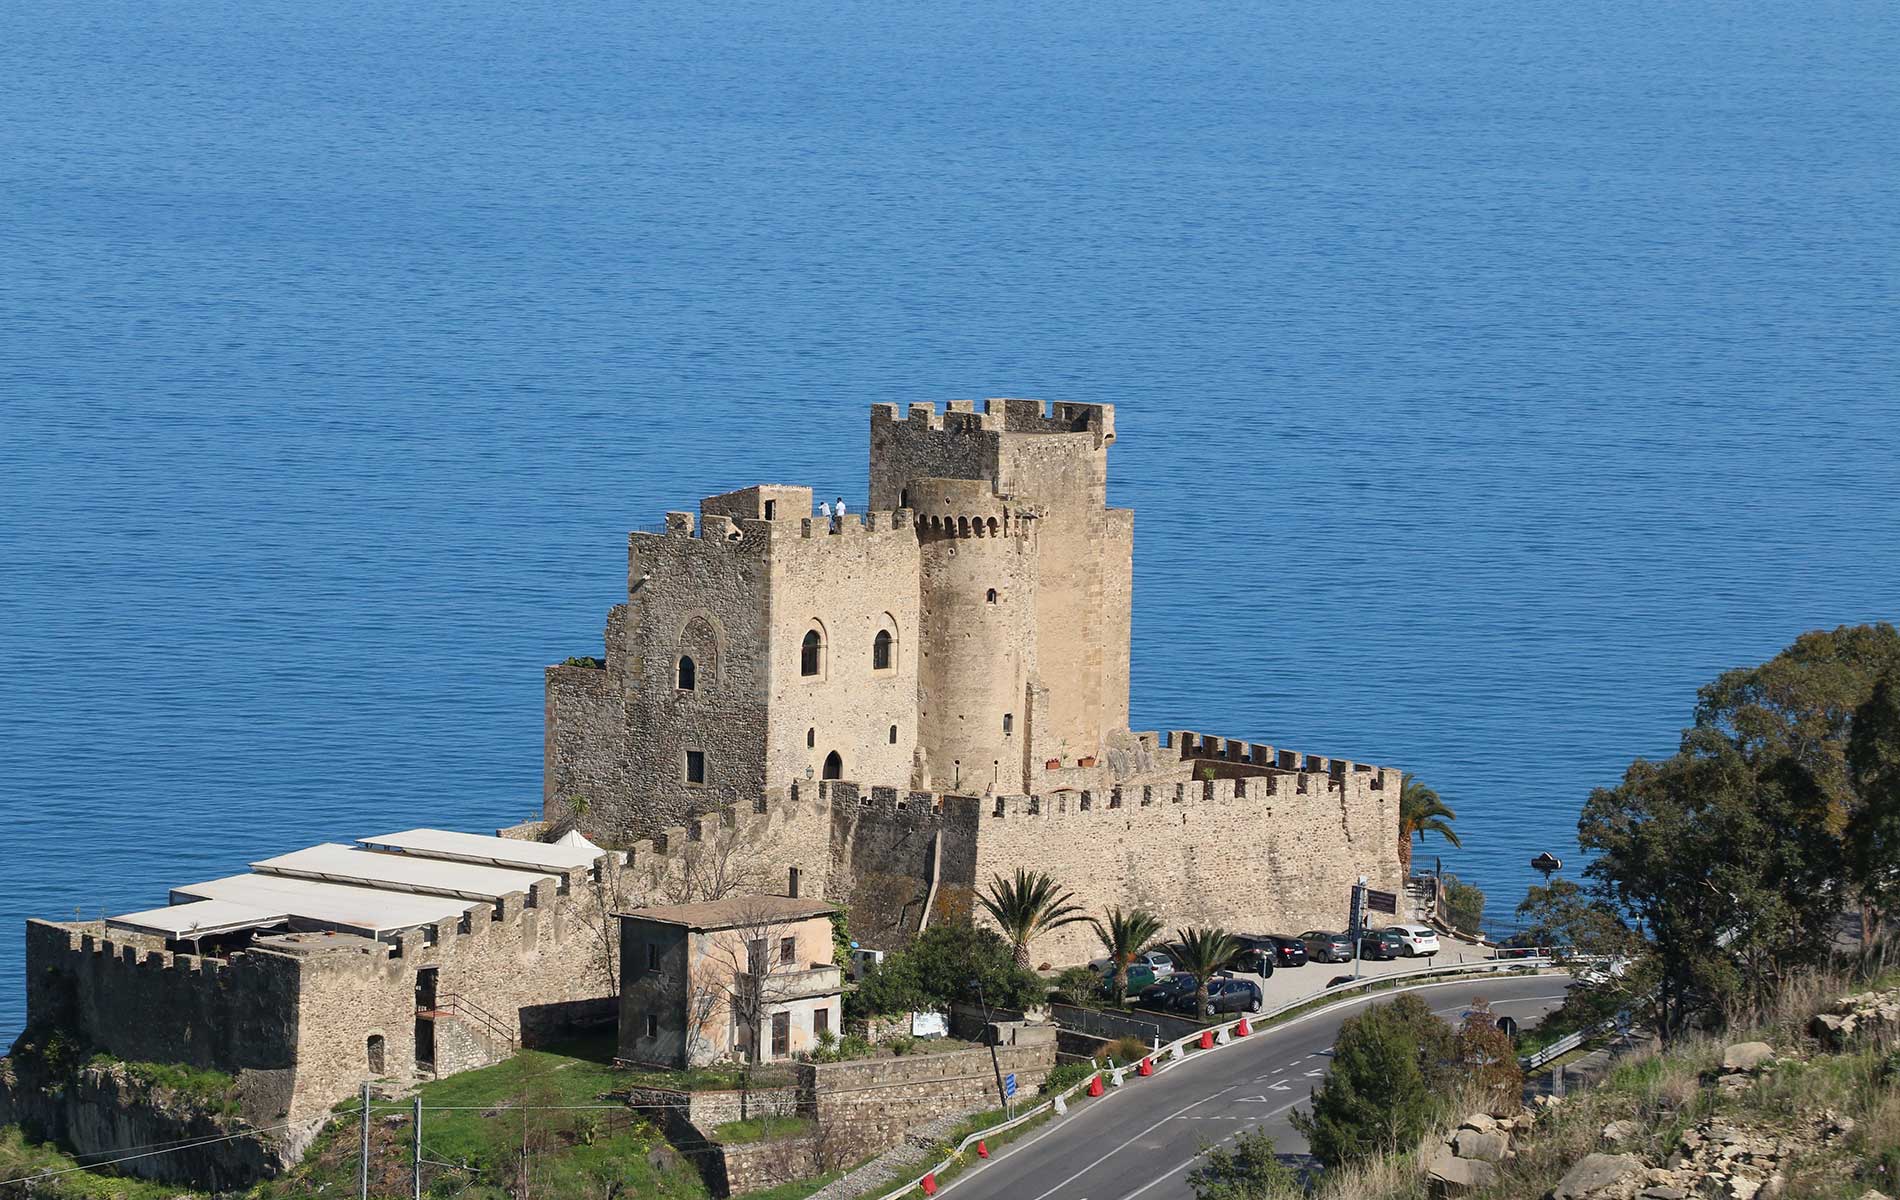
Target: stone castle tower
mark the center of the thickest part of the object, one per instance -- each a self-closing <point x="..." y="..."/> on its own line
<point x="970" y="629"/>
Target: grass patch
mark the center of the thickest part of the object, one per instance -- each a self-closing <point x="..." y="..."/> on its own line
<point x="213" y="1089"/>
<point x="705" y="1079"/>
<point x="761" y="1129"/>
<point x="20" y="1158"/>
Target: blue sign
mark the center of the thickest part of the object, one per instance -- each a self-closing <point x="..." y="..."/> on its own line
<point x="1009" y="1086"/>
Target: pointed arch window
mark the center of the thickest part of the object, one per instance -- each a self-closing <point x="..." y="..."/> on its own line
<point x="834" y="766"/>
<point x="811" y="654"/>
<point x="881" y="647"/>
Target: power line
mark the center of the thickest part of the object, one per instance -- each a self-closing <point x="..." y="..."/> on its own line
<point x="148" y="1154"/>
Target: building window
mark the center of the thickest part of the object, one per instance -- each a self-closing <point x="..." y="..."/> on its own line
<point x="781" y="1034"/>
<point x="653" y="956"/>
<point x="834" y="766"/>
<point x="791" y="883"/>
<point x="375" y="1052"/>
<point x="820" y="1022"/>
<point x="787" y="951"/>
<point x="653" y="1025"/>
<point x="689" y="674"/>
<point x="1009" y="722"/>
<point x="811" y="654"/>
<point x="881" y="651"/>
<point x="771" y="510"/>
<point x="893" y="735"/>
<point x="696" y="766"/>
<point x="903" y="498"/>
<point x="991" y="596"/>
<point x="811" y="737"/>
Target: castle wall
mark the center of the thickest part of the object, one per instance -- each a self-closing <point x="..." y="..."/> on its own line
<point x="849" y="579"/>
<point x="1275" y="853"/>
<point x="1118" y="607"/>
<point x="887" y="848"/>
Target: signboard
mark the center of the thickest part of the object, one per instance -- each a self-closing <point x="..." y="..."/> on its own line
<point x="1358" y="917"/>
<point x="1009" y="1086"/>
<point x="928" y="1024"/>
<point x="1385" y="902"/>
<point x="1507" y="1027"/>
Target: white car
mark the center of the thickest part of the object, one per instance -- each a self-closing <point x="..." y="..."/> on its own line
<point x="1420" y="941"/>
<point x="1155" y="960"/>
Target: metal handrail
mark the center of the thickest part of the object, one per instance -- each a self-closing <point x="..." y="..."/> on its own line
<point x="462" y="1007"/>
<point x="1222" y="1031"/>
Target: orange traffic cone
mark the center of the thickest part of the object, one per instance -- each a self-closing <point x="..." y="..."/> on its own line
<point x="1095" y="1085"/>
<point x="1147" y="1067"/>
<point x="930" y="1184"/>
<point x="1207" y="1039"/>
<point x="982" y="1148"/>
<point x="1242" y="1029"/>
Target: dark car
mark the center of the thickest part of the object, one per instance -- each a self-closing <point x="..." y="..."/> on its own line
<point x="1223" y="996"/>
<point x="1383" y="944"/>
<point x="1322" y="946"/>
<point x="1252" y="961"/>
<point x="1163" y="993"/>
<point x="1286" y="951"/>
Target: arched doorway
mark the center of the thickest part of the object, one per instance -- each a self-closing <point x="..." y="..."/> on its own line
<point x="375" y="1054"/>
<point x="834" y="766"/>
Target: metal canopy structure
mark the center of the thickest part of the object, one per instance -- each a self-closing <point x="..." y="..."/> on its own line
<point x="336" y="863"/>
<point x="489" y="851"/>
<point x="200" y="918"/>
<point x="368" y="911"/>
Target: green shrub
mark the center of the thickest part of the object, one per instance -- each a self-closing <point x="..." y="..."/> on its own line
<point x="953" y="963"/>
<point x="1250" y="1171"/>
<point x="1066" y="1076"/>
<point x="588" y="661"/>
<point x="1464" y="904"/>
<point x="1079" y="986"/>
<point x="1125" y="1050"/>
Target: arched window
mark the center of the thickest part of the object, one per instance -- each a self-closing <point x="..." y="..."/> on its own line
<point x="811" y="654"/>
<point x="689" y="674"/>
<point x="991" y="597"/>
<point x="375" y="1051"/>
<point x="811" y="737"/>
<point x="893" y="735"/>
<point x="881" y="650"/>
<point x="834" y="766"/>
<point x="1009" y="722"/>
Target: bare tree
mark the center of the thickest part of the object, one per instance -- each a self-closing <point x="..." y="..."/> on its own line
<point x="593" y="906"/>
<point x="758" y="957"/>
<point x="725" y="863"/>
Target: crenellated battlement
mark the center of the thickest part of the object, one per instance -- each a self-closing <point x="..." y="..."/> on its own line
<point x="1263" y="758"/>
<point x="758" y="535"/>
<point x="1004" y="415"/>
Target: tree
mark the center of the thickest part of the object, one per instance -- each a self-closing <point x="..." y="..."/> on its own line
<point x="1250" y="1171"/>
<point x="1872" y="841"/>
<point x="1201" y="952"/>
<point x="1800" y="705"/>
<point x="1125" y="934"/>
<point x="1421" y="812"/>
<point x="1027" y="906"/>
<point x="1727" y="866"/>
<point x="1490" y="1060"/>
<point x="1464" y="904"/>
<point x="1376" y="1098"/>
<point x="950" y="963"/>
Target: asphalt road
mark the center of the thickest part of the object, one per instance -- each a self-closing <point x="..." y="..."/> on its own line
<point x="1142" y="1141"/>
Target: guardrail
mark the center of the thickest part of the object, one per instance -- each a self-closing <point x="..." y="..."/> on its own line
<point x="1176" y="1051"/>
<point x="1554" y="1051"/>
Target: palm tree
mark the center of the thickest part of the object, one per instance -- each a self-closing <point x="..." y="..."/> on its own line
<point x="1201" y="952"/>
<point x="1420" y="812"/>
<point x="1126" y="933"/>
<point x="1032" y="903"/>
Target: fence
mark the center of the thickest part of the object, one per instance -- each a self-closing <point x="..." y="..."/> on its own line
<point x="1175" y="1052"/>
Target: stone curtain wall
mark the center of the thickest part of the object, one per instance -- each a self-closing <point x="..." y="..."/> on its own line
<point x="873" y="1103"/>
<point x="1277" y="853"/>
<point x="584" y="751"/>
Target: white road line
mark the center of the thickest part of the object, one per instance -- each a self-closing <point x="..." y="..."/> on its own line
<point x="1185" y="1163"/>
<point x="1124" y="1145"/>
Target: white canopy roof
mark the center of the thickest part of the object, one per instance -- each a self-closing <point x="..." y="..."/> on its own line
<point x="200" y="918"/>
<point x="493" y="851"/>
<point x="338" y="863"/>
<point x="365" y="910"/>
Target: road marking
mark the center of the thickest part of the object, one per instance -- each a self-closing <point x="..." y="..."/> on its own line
<point x="1185" y="1163"/>
<point x="1314" y="1074"/>
<point x="1281" y="1086"/>
<point x="1118" y="1149"/>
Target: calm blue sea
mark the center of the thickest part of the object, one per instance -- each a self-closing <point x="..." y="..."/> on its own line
<point x="1489" y="375"/>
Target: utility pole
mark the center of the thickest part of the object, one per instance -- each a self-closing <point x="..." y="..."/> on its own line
<point x="989" y="1036"/>
<point x="415" y="1154"/>
<point x="362" y="1155"/>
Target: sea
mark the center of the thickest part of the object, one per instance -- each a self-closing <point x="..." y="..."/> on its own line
<point x="1488" y="376"/>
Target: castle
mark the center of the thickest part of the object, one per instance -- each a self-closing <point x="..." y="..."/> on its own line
<point x="882" y="710"/>
<point x="936" y="691"/>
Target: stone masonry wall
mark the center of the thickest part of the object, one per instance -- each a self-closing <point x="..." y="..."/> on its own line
<point x="875" y="1102"/>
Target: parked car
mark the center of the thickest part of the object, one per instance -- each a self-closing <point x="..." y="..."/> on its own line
<point x="1223" y="996"/>
<point x="1286" y="951"/>
<point x="1252" y="961"/>
<point x="1156" y="961"/>
<point x="1162" y="992"/>
<point x="1382" y="944"/>
<point x="1139" y="977"/>
<point x="1322" y="946"/>
<point x="1421" y="941"/>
